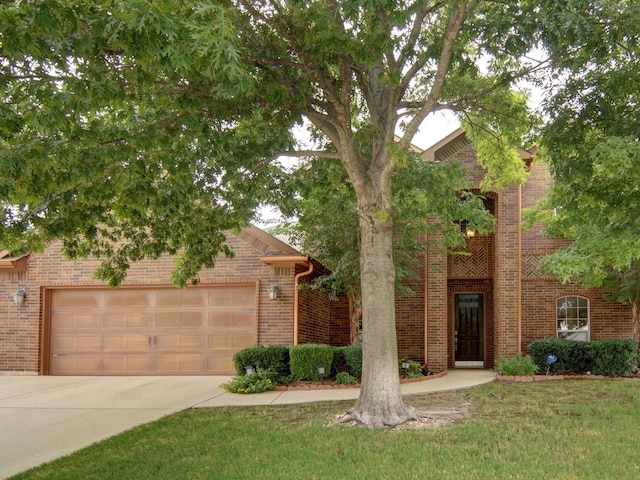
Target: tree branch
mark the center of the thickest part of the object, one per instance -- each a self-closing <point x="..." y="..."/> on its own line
<point x="450" y="36"/>
<point x="414" y="35"/>
<point x="309" y="153"/>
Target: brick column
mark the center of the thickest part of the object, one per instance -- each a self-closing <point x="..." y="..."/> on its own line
<point x="436" y="335"/>
<point x="507" y="297"/>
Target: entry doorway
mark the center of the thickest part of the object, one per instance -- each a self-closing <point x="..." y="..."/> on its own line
<point x="469" y="329"/>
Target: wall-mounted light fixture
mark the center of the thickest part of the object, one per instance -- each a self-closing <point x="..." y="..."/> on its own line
<point x="273" y="292"/>
<point x="18" y="297"/>
<point x="466" y="230"/>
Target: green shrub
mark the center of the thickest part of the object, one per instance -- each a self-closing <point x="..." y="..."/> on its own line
<point x="272" y="358"/>
<point x="602" y="357"/>
<point x="414" y="370"/>
<point x="305" y="358"/>
<point x="614" y="358"/>
<point x="349" y="357"/>
<point x="572" y="355"/>
<point x="343" y="378"/>
<point x="520" y="365"/>
<point x="253" y="383"/>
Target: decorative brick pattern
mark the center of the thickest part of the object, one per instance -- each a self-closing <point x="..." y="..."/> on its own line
<point x="477" y="264"/>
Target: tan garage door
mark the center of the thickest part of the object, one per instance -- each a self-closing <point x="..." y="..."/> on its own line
<point x="151" y="331"/>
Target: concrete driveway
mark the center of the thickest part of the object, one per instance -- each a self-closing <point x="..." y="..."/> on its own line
<point x="43" y="418"/>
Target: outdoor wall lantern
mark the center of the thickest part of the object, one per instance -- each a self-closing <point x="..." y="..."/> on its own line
<point x="249" y="370"/>
<point x="466" y="230"/>
<point x="273" y="292"/>
<point x="320" y="371"/>
<point x="18" y="297"/>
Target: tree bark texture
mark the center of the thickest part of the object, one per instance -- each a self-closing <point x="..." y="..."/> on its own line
<point x="635" y="313"/>
<point x="380" y="402"/>
<point x="355" y="315"/>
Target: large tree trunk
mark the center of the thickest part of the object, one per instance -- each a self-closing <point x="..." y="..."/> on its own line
<point x="635" y="326"/>
<point x="380" y="402"/>
<point x="355" y="314"/>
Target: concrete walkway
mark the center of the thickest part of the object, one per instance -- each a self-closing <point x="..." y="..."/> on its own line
<point x="43" y="418"/>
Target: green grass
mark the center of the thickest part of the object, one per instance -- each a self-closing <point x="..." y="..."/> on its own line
<point x="573" y="429"/>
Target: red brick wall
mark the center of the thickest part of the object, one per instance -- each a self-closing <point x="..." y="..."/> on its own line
<point x="21" y="325"/>
<point x="538" y="183"/>
<point x="610" y="320"/>
<point x="436" y="335"/>
<point x="507" y="274"/>
<point x="410" y="319"/>
<point x="19" y="335"/>
<point x="539" y="293"/>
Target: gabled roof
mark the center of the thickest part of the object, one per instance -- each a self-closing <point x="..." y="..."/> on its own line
<point x="9" y="263"/>
<point x="274" y="251"/>
<point x="456" y="142"/>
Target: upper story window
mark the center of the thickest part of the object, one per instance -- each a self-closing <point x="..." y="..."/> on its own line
<point x="573" y="318"/>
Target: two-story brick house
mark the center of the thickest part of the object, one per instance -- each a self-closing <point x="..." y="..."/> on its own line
<point x="467" y="310"/>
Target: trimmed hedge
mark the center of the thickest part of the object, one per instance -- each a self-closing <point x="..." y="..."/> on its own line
<point x="305" y="358"/>
<point x="612" y="358"/>
<point x="268" y="358"/>
<point x="349" y="357"/>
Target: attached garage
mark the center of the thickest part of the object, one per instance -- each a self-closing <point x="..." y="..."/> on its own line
<point x="148" y="331"/>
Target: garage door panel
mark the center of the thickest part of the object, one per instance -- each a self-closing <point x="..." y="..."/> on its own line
<point x="127" y="299"/>
<point x="151" y="330"/>
<point x="76" y="365"/>
<point x="191" y="342"/>
<point x="220" y="341"/>
<point x="179" y="320"/>
<point x="167" y="342"/>
<point x="183" y="298"/>
<point x="241" y="319"/>
<point x="191" y="319"/>
<point x="76" y="299"/>
<point x="219" y="365"/>
<point x="138" y="321"/>
<point x="74" y="322"/>
<point x="179" y="364"/>
<point x="240" y="341"/>
<point x="127" y="365"/>
<point x="222" y="297"/>
<point x="77" y="343"/>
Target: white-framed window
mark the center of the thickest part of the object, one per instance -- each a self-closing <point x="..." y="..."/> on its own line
<point x="572" y="314"/>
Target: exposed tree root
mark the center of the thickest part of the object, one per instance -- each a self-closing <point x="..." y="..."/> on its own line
<point x="412" y="420"/>
<point x="379" y="419"/>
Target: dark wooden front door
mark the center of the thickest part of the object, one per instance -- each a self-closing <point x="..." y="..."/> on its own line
<point x="469" y="323"/>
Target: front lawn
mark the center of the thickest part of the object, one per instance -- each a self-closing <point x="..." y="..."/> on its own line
<point x="572" y="429"/>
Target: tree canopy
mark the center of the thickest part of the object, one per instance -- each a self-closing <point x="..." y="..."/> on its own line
<point x="132" y="128"/>
<point x="593" y="148"/>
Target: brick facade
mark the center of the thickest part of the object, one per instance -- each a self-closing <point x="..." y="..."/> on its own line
<point x="22" y="326"/>
<point x="518" y="301"/>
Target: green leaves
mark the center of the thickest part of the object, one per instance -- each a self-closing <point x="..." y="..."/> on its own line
<point x="115" y="139"/>
<point x="594" y="152"/>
